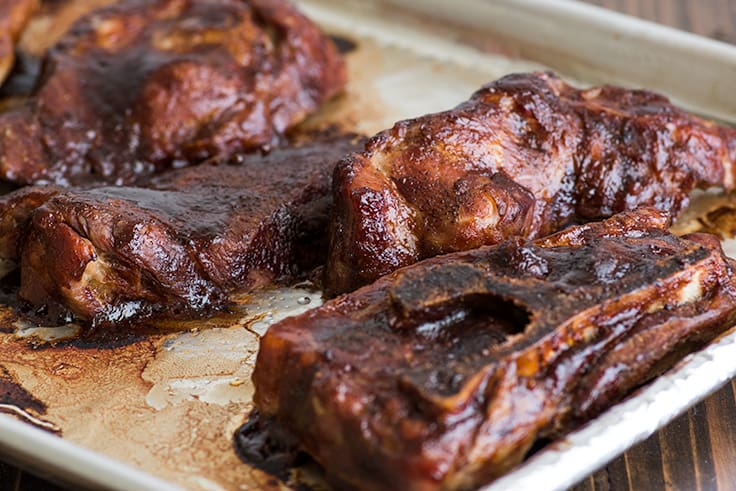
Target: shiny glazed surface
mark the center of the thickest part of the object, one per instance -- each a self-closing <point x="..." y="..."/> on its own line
<point x="526" y="155"/>
<point x="144" y="85"/>
<point x="176" y="246"/>
<point x="443" y="374"/>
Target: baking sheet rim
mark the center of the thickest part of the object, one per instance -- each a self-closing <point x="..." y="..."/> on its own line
<point x="69" y="462"/>
<point x="558" y="467"/>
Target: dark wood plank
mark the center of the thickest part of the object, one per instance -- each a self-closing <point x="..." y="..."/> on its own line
<point x="705" y="471"/>
<point x="721" y="411"/>
<point x="601" y="481"/>
<point x="644" y="466"/>
<point x="9" y="477"/>
<point x="13" y="479"/>
<point x="698" y="450"/>
<point x="617" y="475"/>
<point x="712" y="18"/>
<point x="678" y="455"/>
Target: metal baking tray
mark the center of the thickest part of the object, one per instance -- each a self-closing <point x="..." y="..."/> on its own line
<point x="158" y="411"/>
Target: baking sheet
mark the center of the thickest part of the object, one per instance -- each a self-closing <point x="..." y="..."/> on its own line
<point x="159" y="411"/>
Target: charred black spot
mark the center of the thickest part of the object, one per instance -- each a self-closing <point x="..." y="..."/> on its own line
<point x="23" y="77"/>
<point x="344" y="45"/>
<point x="449" y="301"/>
<point x="109" y="339"/>
<point x="538" y="445"/>
<point x="261" y="443"/>
<point x="469" y="330"/>
<point x="497" y="316"/>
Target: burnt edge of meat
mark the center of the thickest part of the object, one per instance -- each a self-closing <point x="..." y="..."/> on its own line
<point x="344" y="44"/>
<point x="443" y="374"/>
<point x="263" y="444"/>
<point x="526" y="156"/>
<point x="266" y="446"/>
<point x="137" y="87"/>
<point x="176" y="247"/>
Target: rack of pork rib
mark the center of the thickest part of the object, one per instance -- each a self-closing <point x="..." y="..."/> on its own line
<point x="439" y="371"/>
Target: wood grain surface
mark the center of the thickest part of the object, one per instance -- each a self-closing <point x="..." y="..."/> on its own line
<point x="698" y="450"/>
<point x="711" y="18"/>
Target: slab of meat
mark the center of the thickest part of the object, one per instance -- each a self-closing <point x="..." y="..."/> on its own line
<point x="443" y="374"/>
<point x="13" y="16"/>
<point x="526" y="155"/>
<point x="147" y="84"/>
<point x="178" y="246"/>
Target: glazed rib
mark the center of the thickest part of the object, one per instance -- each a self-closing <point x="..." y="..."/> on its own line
<point x="143" y="85"/>
<point x="526" y="155"/>
<point x="178" y="246"/>
<point x="443" y="374"/>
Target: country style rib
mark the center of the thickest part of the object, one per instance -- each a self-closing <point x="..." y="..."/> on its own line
<point x="526" y="155"/>
<point x="443" y="374"/>
<point x="176" y="247"/>
<point x="146" y="84"/>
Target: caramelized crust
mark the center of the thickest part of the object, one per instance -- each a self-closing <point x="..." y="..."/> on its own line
<point x="176" y="247"/>
<point x="526" y="155"/>
<point x="443" y="374"/>
<point x="143" y="85"/>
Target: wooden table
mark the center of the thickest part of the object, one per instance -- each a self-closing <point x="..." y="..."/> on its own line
<point x="697" y="450"/>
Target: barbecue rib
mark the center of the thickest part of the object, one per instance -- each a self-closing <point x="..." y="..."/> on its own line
<point x="13" y="17"/>
<point x="177" y="246"/>
<point x="143" y="85"/>
<point x="443" y="374"/>
<point x="526" y="155"/>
